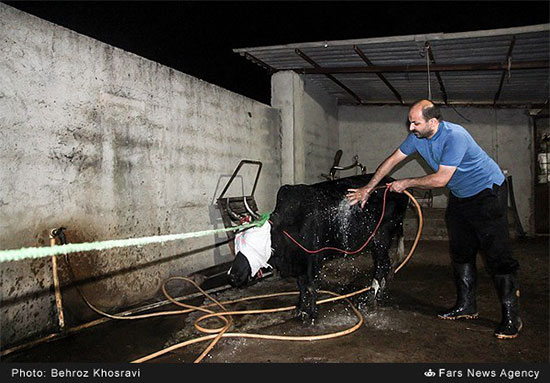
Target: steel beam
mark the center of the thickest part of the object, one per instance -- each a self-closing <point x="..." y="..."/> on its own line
<point x="328" y="75"/>
<point x="380" y="75"/>
<point x="424" y="68"/>
<point x="259" y="62"/>
<point x="508" y="58"/>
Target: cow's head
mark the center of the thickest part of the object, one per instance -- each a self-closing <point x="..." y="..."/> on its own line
<point x="239" y="273"/>
<point x="253" y="250"/>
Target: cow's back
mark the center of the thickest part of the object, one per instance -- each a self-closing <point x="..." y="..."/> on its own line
<point x="319" y="215"/>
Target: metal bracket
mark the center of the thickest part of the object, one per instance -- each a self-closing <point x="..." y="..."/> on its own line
<point x="332" y="173"/>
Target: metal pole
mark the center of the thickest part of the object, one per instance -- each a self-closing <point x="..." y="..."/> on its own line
<point x="57" y="289"/>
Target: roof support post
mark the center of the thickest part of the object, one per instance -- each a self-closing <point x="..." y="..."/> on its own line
<point x="287" y="95"/>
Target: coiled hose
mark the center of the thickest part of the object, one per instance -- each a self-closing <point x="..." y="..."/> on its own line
<point x="215" y="334"/>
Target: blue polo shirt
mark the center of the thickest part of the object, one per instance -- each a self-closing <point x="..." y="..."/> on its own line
<point x="452" y="145"/>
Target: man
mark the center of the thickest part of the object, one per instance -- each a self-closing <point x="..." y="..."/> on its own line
<point x="476" y="214"/>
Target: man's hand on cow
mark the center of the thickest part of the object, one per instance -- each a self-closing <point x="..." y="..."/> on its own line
<point x="399" y="185"/>
<point x="359" y="195"/>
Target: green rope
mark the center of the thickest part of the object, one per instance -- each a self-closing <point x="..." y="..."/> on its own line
<point x="39" y="252"/>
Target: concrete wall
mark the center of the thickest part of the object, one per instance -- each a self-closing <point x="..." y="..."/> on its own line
<point x="374" y="132"/>
<point x="111" y="145"/>
<point x="321" y="139"/>
<point x="309" y="128"/>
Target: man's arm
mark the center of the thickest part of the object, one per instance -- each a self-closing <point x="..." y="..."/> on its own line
<point x="438" y="179"/>
<point x="362" y="194"/>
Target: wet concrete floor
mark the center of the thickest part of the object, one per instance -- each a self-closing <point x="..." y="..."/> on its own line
<point x="403" y="329"/>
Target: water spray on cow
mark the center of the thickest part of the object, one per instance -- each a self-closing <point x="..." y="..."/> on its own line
<point x="312" y="224"/>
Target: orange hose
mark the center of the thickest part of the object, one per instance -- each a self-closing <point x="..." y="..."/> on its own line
<point x="222" y="331"/>
<point x="217" y="334"/>
<point x="418" y="230"/>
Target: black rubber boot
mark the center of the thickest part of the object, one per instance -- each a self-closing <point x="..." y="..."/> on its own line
<point x="508" y="293"/>
<point x="465" y="275"/>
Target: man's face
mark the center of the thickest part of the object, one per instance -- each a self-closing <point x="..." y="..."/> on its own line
<point x="418" y="125"/>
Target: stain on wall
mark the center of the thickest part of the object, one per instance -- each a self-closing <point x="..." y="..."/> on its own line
<point x="112" y="146"/>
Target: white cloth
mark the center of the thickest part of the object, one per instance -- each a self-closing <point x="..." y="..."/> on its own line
<point x="255" y="245"/>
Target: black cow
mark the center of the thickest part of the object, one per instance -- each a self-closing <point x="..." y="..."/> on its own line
<point x="318" y="216"/>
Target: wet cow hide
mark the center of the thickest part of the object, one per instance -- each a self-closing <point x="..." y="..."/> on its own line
<point x="318" y="216"/>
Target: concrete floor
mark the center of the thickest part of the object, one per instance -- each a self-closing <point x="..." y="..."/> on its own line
<point x="402" y="330"/>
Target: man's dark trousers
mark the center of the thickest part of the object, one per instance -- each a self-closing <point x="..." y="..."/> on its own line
<point x="480" y="223"/>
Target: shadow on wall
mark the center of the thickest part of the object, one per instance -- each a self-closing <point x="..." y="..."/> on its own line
<point x="75" y="310"/>
<point x="216" y="217"/>
<point x="67" y="282"/>
<point x="235" y="189"/>
<point x="220" y="256"/>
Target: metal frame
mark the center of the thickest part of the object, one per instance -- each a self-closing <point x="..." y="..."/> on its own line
<point x="539" y="64"/>
<point x="329" y="75"/>
<point x="243" y="162"/>
<point x="509" y="61"/>
<point x="380" y="75"/>
<point x="232" y="209"/>
<point x="460" y="53"/>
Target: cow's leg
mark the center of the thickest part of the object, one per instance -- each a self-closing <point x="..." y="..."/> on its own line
<point x="382" y="268"/>
<point x="400" y="248"/>
<point x="307" y="306"/>
<point x="302" y="287"/>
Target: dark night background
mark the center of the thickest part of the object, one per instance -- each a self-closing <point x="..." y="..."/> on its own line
<point x="197" y="37"/>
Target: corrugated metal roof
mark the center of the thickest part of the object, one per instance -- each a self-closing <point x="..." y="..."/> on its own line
<point x="519" y="78"/>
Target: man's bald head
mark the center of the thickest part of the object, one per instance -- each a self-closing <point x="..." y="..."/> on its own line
<point x="424" y="118"/>
<point x="428" y="108"/>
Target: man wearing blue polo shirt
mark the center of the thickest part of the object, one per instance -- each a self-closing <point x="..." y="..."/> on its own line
<point x="476" y="214"/>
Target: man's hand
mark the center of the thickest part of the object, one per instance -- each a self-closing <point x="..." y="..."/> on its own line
<point x="399" y="185"/>
<point x="359" y="195"/>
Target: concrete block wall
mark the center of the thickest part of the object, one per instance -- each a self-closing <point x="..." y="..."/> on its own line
<point x="321" y="139"/>
<point x="374" y="132"/>
<point x="111" y="145"/>
<point x="309" y="128"/>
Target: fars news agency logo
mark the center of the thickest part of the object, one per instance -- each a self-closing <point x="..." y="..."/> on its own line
<point x="430" y="373"/>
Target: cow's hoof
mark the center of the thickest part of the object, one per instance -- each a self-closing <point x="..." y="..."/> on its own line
<point x="361" y="301"/>
<point x="306" y="318"/>
<point x="308" y="321"/>
<point x="301" y="314"/>
<point x="369" y="302"/>
<point x="379" y="291"/>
